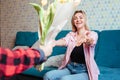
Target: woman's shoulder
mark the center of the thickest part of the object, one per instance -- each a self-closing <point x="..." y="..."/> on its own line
<point x="91" y="32"/>
<point x="71" y="33"/>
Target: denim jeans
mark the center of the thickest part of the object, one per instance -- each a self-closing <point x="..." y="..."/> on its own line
<point x="66" y="74"/>
<point x="76" y="68"/>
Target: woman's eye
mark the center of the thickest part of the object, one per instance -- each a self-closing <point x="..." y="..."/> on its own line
<point x="75" y="18"/>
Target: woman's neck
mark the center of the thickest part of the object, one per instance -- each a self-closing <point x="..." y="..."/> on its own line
<point x="81" y="31"/>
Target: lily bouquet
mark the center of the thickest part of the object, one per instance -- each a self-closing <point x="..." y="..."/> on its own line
<point x="54" y="18"/>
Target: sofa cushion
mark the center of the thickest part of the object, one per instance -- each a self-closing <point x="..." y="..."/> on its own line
<point x="108" y="53"/>
<point x="107" y="70"/>
<point x="107" y="73"/>
<point x="36" y="45"/>
<point x="33" y="72"/>
<point x="97" y="44"/>
<point x="109" y="76"/>
<point x="62" y="34"/>
<point x="54" y="61"/>
<point x="26" y="38"/>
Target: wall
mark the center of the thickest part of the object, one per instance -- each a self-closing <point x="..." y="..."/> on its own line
<point x="101" y="14"/>
<point x="18" y="15"/>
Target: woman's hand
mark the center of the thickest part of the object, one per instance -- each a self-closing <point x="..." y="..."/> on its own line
<point x="84" y="38"/>
<point x="47" y="49"/>
<point x="88" y="40"/>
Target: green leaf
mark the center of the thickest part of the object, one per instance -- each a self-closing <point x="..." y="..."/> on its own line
<point x="37" y="7"/>
<point x="45" y="19"/>
<point x="40" y="12"/>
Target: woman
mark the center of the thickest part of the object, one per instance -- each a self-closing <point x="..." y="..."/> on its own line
<point x="78" y="63"/>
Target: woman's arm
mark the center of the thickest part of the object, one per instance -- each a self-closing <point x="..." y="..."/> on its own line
<point x="60" y="42"/>
<point x="63" y="41"/>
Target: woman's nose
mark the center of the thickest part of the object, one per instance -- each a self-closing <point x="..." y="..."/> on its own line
<point x="77" y="19"/>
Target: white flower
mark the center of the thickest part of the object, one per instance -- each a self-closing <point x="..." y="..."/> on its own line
<point x="43" y="2"/>
<point x="77" y="2"/>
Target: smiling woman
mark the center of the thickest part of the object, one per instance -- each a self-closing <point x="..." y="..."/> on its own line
<point x="78" y="61"/>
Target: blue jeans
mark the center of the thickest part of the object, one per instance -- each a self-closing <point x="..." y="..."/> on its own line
<point x="66" y="74"/>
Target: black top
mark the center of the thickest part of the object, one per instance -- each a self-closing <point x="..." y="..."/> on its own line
<point x="77" y="55"/>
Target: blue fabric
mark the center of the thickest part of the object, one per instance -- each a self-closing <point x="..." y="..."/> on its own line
<point x="109" y="76"/>
<point x="107" y="73"/>
<point x="58" y="50"/>
<point x="76" y="68"/>
<point x="56" y="74"/>
<point x="26" y="38"/>
<point x="97" y="45"/>
<point x="62" y="34"/>
<point x="65" y="74"/>
<point x="108" y="53"/>
<point x="32" y="71"/>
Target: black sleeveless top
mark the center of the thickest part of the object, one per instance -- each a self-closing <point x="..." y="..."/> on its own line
<point x="77" y="55"/>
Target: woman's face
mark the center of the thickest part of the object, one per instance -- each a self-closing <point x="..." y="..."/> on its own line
<point x="79" y="20"/>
